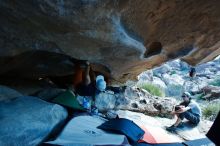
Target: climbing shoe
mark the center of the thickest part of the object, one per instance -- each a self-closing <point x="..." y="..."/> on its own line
<point x="171" y="128"/>
<point x="181" y="125"/>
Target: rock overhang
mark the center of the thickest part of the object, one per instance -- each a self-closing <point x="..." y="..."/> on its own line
<point x="120" y="38"/>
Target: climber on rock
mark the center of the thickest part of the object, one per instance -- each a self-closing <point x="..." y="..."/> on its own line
<point x="90" y="86"/>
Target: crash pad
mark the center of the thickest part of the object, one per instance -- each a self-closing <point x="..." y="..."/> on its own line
<point x="123" y="126"/>
<point x="83" y="131"/>
<point x="189" y="131"/>
<point x="69" y="100"/>
<point x="154" y="131"/>
<point x="162" y="144"/>
<point x="199" y="142"/>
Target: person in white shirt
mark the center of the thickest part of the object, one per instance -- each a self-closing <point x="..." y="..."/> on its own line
<point x="187" y="109"/>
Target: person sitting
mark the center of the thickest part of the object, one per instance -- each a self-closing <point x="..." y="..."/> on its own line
<point x="187" y="109"/>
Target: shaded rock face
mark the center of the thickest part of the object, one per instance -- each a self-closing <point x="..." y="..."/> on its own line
<point x="25" y="122"/>
<point x="8" y="93"/>
<point x="124" y="37"/>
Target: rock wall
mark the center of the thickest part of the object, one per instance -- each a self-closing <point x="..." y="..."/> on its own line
<point x="125" y="37"/>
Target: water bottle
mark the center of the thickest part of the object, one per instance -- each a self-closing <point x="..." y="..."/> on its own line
<point x="95" y="110"/>
<point x="86" y="104"/>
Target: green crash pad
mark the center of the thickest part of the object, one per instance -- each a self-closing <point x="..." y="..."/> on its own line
<point x="69" y="100"/>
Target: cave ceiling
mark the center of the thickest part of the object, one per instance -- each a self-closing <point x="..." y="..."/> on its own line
<point x="121" y="38"/>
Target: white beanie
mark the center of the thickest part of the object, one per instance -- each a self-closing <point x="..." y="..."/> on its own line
<point x="100" y="83"/>
<point x="186" y="94"/>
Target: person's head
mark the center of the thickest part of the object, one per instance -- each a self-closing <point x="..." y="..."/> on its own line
<point x="100" y="83"/>
<point x="192" y="72"/>
<point x="186" y="97"/>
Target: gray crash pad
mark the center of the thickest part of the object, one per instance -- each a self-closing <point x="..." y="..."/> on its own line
<point x="83" y="131"/>
<point x="189" y="132"/>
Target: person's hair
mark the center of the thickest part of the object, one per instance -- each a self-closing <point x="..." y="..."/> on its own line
<point x="177" y="107"/>
<point x="185" y="103"/>
<point x="187" y="94"/>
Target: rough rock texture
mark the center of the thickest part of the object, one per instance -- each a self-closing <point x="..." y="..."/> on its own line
<point x="120" y="37"/>
<point x="24" y="120"/>
<point x="139" y="100"/>
<point x="211" y="92"/>
<point x="133" y="99"/>
<point x="105" y="101"/>
<point x="173" y="77"/>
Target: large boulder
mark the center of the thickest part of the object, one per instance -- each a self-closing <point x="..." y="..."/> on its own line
<point x="7" y="93"/>
<point x="146" y="76"/>
<point x="174" y="84"/>
<point x="29" y="121"/>
<point x="163" y="69"/>
<point x="105" y="101"/>
<point x="139" y="100"/>
<point x="135" y="99"/>
<point x="121" y="38"/>
<point x="211" y="92"/>
<point x="157" y="81"/>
